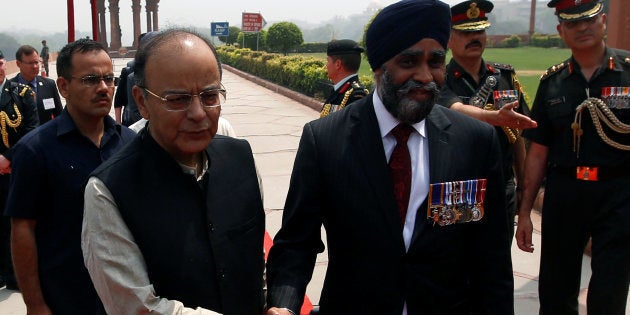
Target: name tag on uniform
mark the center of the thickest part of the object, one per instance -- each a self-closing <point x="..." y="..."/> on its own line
<point x="456" y="202"/>
<point x="49" y="103"/>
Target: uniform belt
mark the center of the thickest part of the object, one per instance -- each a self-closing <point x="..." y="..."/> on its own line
<point x="592" y="173"/>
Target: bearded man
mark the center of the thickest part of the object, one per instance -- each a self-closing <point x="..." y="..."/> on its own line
<point x="411" y="195"/>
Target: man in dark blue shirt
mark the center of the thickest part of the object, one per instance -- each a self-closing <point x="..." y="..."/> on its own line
<point x="50" y="167"/>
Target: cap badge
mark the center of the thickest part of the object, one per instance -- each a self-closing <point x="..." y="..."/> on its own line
<point x="578" y="2"/>
<point x="473" y="12"/>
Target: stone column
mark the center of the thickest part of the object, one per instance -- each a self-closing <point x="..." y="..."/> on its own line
<point x="149" y="24"/>
<point x="155" y="16"/>
<point x="137" y="28"/>
<point x="152" y="15"/>
<point x="115" y="25"/>
<point x="102" y="22"/>
<point x="619" y="24"/>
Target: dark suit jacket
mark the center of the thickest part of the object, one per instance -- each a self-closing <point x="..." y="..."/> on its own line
<point x="46" y="88"/>
<point x="341" y="179"/>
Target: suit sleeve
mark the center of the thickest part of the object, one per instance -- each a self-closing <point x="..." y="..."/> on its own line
<point x="493" y="283"/>
<point x="292" y="258"/>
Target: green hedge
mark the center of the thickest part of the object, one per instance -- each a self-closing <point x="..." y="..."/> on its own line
<point x="306" y="75"/>
<point x="547" y="41"/>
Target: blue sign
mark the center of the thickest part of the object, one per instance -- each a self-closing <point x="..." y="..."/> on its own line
<point x="219" y="29"/>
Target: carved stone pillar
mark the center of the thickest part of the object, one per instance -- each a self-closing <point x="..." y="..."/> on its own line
<point x="137" y="28"/>
<point x="115" y="25"/>
<point x="102" y="22"/>
<point x="155" y="16"/>
<point x="152" y="15"/>
<point x="149" y="25"/>
<point x="619" y="24"/>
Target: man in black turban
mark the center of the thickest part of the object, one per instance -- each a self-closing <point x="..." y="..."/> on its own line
<point x="411" y="195"/>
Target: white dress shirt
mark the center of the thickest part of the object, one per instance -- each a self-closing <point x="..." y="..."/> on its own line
<point x="419" y="152"/>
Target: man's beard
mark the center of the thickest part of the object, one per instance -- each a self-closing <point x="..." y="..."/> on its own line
<point x="405" y="109"/>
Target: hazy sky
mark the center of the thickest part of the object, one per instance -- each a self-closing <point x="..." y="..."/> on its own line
<point x="50" y="16"/>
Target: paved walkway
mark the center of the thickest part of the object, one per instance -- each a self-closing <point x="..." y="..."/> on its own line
<point x="272" y="123"/>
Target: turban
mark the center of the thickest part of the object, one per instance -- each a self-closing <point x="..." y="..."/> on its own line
<point x="404" y="23"/>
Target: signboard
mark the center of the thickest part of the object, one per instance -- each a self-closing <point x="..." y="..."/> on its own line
<point x="219" y="29"/>
<point x="252" y="22"/>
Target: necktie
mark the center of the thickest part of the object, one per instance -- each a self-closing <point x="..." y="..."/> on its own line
<point x="400" y="168"/>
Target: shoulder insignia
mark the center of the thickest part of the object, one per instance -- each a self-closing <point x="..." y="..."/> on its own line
<point x="553" y="70"/>
<point x="21" y="89"/>
<point x="457" y="74"/>
<point x="490" y="68"/>
<point x="503" y="66"/>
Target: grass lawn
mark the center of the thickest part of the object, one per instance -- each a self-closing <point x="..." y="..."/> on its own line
<point x="530" y="63"/>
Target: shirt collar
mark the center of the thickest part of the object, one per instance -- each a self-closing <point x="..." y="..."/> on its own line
<point x="31" y="83"/>
<point x="2" y="84"/>
<point x="343" y="81"/>
<point x="66" y="125"/>
<point x="192" y="171"/>
<point x="387" y="122"/>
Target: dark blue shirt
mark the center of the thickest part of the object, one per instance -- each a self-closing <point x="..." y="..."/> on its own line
<point x="50" y="167"/>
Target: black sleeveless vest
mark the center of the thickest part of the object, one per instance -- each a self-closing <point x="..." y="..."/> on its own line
<point x="202" y="241"/>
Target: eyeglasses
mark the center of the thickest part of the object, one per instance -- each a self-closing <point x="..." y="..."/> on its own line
<point x="210" y="98"/>
<point x="91" y="80"/>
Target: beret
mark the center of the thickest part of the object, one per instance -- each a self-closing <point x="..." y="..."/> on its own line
<point x="404" y="23"/>
<point x="343" y="47"/>
<point x="575" y="10"/>
<point x="470" y="16"/>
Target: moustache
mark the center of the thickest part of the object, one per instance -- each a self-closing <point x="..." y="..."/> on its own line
<point x="411" y="85"/>
<point x="472" y="43"/>
<point x="101" y="97"/>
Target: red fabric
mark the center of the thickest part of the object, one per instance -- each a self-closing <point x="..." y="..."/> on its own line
<point x="400" y="168"/>
<point x="566" y="4"/>
<point x="464" y="16"/>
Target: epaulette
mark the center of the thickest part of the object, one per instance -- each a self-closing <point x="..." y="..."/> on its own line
<point x="21" y="89"/>
<point x="502" y="66"/>
<point x="553" y="70"/>
<point x="359" y="89"/>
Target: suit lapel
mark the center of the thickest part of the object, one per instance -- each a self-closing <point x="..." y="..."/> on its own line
<point x="366" y="138"/>
<point x="439" y="150"/>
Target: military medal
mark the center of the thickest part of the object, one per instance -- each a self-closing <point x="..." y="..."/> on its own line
<point x="616" y="97"/>
<point x="503" y="97"/>
<point x="480" y="193"/>
<point x="456" y="202"/>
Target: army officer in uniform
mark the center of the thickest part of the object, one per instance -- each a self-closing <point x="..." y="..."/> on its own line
<point x="17" y="116"/>
<point x="343" y="62"/>
<point x="471" y="83"/>
<point x="582" y="145"/>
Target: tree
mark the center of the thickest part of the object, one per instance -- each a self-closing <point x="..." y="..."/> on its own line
<point x="284" y="36"/>
<point x="232" y="35"/>
<point x="8" y="46"/>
